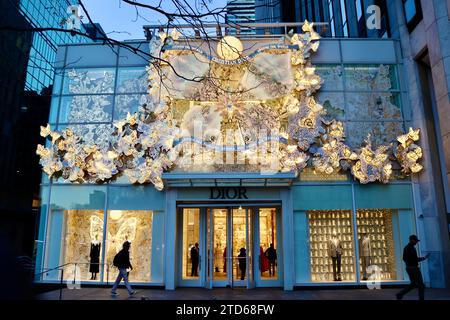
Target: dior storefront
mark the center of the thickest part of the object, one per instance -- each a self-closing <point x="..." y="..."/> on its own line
<point x="260" y="174"/>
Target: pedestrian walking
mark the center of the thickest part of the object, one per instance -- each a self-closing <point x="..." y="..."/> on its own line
<point x="122" y="262"/>
<point x="412" y="260"/>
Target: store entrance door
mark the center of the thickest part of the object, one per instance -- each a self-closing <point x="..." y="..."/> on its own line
<point x="230" y="247"/>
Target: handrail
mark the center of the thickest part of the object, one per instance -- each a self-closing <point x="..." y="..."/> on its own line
<point x="74" y="281"/>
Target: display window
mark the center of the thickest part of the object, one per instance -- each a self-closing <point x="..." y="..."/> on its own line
<point x="376" y="244"/>
<point x="134" y="226"/>
<point x="78" y="249"/>
<point x="331" y="245"/>
<point x="351" y="233"/>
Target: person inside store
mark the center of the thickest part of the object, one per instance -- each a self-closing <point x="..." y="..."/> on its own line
<point x="225" y="260"/>
<point x="263" y="261"/>
<point x="271" y="254"/>
<point x="122" y="262"/>
<point x="242" y="262"/>
<point x="412" y="260"/>
<point x="195" y="255"/>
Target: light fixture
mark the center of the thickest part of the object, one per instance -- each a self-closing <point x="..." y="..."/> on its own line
<point x="115" y="214"/>
<point x="240" y="207"/>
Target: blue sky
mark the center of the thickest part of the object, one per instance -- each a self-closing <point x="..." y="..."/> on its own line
<point x="119" y="19"/>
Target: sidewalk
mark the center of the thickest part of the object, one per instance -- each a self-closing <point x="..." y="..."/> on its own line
<point x="240" y="294"/>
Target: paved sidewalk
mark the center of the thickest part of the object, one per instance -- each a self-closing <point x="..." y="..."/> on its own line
<point x="241" y="294"/>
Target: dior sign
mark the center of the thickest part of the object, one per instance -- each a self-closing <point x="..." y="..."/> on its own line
<point x="228" y="193"/>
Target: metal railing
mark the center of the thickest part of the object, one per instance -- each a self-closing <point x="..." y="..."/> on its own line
<point x="74" y="278"/>
<point x="214" y="30"/>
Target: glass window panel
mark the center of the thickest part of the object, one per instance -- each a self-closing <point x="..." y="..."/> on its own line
<point x="73" y="225"/>
<point x="191" y="237"/>
<point x="57" y="81"/>
<point x="85" y="81"/>
<point x="382" y="133"/>
<point x="331" y="75"/>
<point x="128" y="103"/>
<point x="54" y="110"/>
<point x="132" y="80"/>
<point x="375" y="105"/>
<point x="410" y="9"/>
<point x="268" y="243"/>
<point x="239" y="244"/>
<point x="331" y="245"/>
<point x="385" y="215"/>
<point x="371" y="77"/>
<point x="95" y="108"/>
<point x="376" y="244"/>
<point x="98" y="134"/>
<point x="74" y="241"/>
<point x="220" y="244"/>
<point x="333" y="103"/>
<point x="134" y="226"/>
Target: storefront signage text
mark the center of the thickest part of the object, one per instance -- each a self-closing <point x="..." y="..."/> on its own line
<point x="228" y="193"/>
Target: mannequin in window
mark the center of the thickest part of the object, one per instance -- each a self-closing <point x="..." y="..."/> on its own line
<point x="95" y="258"/>
<point x="365" y="252"/>
<point x="335" y="253"/>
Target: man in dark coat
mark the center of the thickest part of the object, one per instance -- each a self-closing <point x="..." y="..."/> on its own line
<point x="122" y="262"/>
<point x="195" y="255"/>
<point x="271" y="254"/>
<point x="412" y="268"/>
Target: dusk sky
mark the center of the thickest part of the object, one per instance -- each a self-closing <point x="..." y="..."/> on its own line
<point x="120" y="21"/>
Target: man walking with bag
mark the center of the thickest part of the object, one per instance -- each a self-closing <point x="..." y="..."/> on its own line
<point x="122" y="262"/>
<point x="412" y="268"/>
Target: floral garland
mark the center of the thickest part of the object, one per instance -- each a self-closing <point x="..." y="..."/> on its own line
<point x="143" y="145"/>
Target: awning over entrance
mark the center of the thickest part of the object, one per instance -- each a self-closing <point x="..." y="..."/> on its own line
<point x="175" y="179"/>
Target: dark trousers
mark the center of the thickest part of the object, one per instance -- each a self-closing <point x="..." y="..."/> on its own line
<point x="242" y="268"/>
<point x="271" y="267"/>
<point x="416" y="282"/>
<point x="336" y="267"/>
<point x="194" y="272"/>
<point x="365" y="264"/>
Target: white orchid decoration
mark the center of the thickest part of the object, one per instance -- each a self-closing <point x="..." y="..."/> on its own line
<point x="148" y="143"/>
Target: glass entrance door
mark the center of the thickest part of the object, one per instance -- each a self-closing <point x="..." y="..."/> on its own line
<point x="230" y="247"/>
<point x="268" y="241"/>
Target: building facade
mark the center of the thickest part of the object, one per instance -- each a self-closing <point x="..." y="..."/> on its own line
<point x="341" y="18"/>
<point x="240" y="12"/>
<point x="26" y="80"/>
<point x="214" y="226"/>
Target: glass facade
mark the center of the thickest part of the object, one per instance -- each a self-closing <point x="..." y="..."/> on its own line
<point x="342" y="232"/>
<point x="45" y="14"/>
